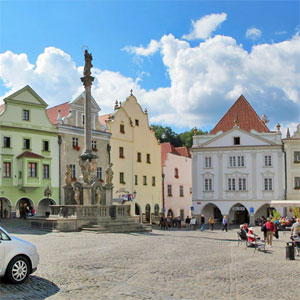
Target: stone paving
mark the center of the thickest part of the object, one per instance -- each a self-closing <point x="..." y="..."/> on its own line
<point x="162" y="265"/>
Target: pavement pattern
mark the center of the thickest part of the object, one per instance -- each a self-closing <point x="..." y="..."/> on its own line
<point x="162" y="265"/>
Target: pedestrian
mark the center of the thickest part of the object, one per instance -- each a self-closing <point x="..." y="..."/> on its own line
<point x="270" y="231"/>
<point x="295" y="233"/>
<point x="193" y="223"/>
<point x="202" y="222"/>
<point x="224" y="223"/>
<point x="162" y="222"/>
<point x="187" y="222"/>
<point x="211" y="221"/>
<point x="263" y="228"/>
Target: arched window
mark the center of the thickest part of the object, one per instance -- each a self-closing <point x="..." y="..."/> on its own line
<point x="156" y="210"/>
<point x="176" y="173"/>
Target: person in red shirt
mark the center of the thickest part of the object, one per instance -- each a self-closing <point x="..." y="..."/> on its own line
<point x="270" y="231"/>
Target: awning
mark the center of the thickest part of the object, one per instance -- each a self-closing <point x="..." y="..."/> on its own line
<point x="285" y="203"/>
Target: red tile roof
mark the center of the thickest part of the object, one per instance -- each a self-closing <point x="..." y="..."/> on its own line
<point x="2" y="106"/>
<point x="53" y="111"/>
<point x="247" y="118"/>
<point x="169" y="148"/>
<point x="30" y="154"/>
<point x="104" y="118"/>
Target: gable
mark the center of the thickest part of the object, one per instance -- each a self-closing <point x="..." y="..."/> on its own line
<point x="27" y="95"/>
<point x="81" y="99"/>
<point x="246" y="139"/>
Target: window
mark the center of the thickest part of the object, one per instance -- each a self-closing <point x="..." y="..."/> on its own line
<point x="144" y="180"/>
<point x="135" y="179"/>
<point x="6" y="169"/>
<point x="94" y="145"/>
<point x="242" y="184"/>
<point x="121" y="152"/>
<point x="156" y="210"/>
<point x="99" y="173"/>
<point x="236" y="141"/>
<point x="268" y="160"/>
<point x="45" y="146"/>
<point x="82" y="119"/>
<point x="26" y="143"/>
<point x="268" y="184"/>
<point x="73" y="171"/>
<point x="122" y="128"/>
<point x="153" y="180"/>
<point x="207" y="162"/>
<point x="181" y="191"/>
<point x="296" y="157"/>
<point x="236" y="161"/>
<point x="208" y="184"/>
<point x="25" y="114"/>
<point x="139" y="157"/>
<point x="122" y="177"/>
<point x="182" y="214"/>
<point x="32" y="169"/>
<point x="136" y="122"/>
<point x="169" y="190"/>
<point x="297" y="183"/>
<point x="6" y="142"/>
<point x="231" y="184"/>
<point x="176" y="173"/>
<point x="148" y="159"/>
<point x="46" y="172"/>
<point x="75" y="142"/>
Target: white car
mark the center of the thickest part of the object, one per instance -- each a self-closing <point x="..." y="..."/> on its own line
<point x="18" y="258"/>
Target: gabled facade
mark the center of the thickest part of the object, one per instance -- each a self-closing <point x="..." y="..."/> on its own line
<point x="136" y="158"/>
<point x="69" y="119"/>
<point x="28" y="155"/>
<point x="292" y="150"/>
<point x="237" y="172"/>
<point x="177" y="180"/>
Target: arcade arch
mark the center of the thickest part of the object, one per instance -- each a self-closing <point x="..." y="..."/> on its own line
<point x="148" y="212"/>
<point x="238" y="214"/>
<point x="22" y="205"/>
<point x="5" y="208"/>
<point x="211" y="209"/>
<point x="43" y="208"/>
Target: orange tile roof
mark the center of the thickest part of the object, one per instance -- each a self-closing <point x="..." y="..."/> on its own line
<point x="104" y="118"/>
<point x="169" y="148"/>
<point x="247" y="118"/>
<point x="2" y="106"/>
<point x="53" y="111"/>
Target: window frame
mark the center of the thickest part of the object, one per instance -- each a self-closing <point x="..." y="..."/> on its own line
<point x="121" y="152"/>
<point x="32" y="172"/>
<point x="46" y="171"/>
<point x="169" y="189"/>
<point x="5" y="139"/>
<point x="7" y="171"/>
<point x="26" y="115"/>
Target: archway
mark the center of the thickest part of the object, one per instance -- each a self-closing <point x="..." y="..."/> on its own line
<point x="5" y="208"/>
<point x="148" y="212"/>
<point x="170" y="213"/>
<point x="263" y="211"/>
<point x="43" y="208"/>
<point x="21" y="207"/>
<point x="239" y="214"/>
<point x="137" y="209"/>
<point x="156" y="210"/>
<point x="213" y="210"/>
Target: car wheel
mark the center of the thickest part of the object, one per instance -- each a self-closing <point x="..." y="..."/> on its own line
<point x="17" y="270"/>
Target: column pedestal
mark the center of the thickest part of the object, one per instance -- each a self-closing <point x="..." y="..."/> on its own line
<point x="108" y="193"/>
<point x="87" y="194"/>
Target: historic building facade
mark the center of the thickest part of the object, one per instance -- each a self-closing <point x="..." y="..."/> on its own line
<point x="28" y="154"/>
<point x="69" y="120"/>
<point x="177" y="180"/>
<point x="237" y="169"/>
<point x="136" y="158"/>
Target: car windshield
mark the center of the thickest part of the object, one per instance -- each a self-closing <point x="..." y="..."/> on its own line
<point x="4" y="236"/>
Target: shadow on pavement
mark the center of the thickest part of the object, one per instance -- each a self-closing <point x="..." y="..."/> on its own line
<point x="35" y="288"/>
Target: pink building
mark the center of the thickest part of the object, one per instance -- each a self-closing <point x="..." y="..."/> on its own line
<point x="177" y="180"/>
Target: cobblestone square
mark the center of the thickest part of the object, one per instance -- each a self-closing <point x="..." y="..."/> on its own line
<point x="162" y="265"/>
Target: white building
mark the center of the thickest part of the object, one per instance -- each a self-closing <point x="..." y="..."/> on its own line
<point x="238" y="168"/>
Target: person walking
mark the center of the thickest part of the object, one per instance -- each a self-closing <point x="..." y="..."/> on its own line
<point x="211" y="222"/>
<point x="224" y="223"/>
<point x="295" y="235"/>
<point x="202" y="222"/>
<point x="187" y="222"/>
<point x="270" y="231"/>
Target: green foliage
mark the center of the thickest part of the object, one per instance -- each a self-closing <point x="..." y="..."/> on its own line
<point x="166" y="134"/>
<point x="296" y="212"/>
<point x="276" y="214"/>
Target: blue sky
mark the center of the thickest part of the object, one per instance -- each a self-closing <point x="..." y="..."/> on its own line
<point x="173" y="92"/>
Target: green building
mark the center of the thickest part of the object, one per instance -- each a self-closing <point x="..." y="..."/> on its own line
<point x="29" y="155"/>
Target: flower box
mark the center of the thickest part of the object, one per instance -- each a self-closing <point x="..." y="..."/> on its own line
<point x="74" y="179"/>
<point x="77" y="148"/>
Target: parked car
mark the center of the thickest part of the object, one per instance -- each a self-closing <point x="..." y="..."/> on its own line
<point x="18" y="258"/>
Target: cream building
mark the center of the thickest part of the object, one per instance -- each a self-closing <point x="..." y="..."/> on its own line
<point x="136" y="158"/>
<point x="69" y="120"/>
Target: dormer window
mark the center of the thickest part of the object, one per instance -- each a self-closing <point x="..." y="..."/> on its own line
<point x="176" y="173"/>
<point x="236" y="140"/>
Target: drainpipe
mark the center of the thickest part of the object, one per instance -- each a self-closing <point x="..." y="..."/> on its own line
<point x="59" y="141"/>
<point x="285" y="172"/>
<point x="163" y="192"/>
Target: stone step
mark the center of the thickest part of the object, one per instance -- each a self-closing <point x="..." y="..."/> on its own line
<point x="119" y="230"/>
<point x="117" y="227"/>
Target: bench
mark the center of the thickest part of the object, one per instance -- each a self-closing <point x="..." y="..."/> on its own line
<point x="257" y="243"/>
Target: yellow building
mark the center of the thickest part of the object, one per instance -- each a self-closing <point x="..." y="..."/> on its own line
<point x="136" y="158"/>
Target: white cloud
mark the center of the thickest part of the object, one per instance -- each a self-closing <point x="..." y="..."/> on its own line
<point x="152" y="48"/>
<point x="281" y="32"/>
<point x="205" y="80"/>
<point x="253" y="33"/>
<point x="204" y="27"/>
